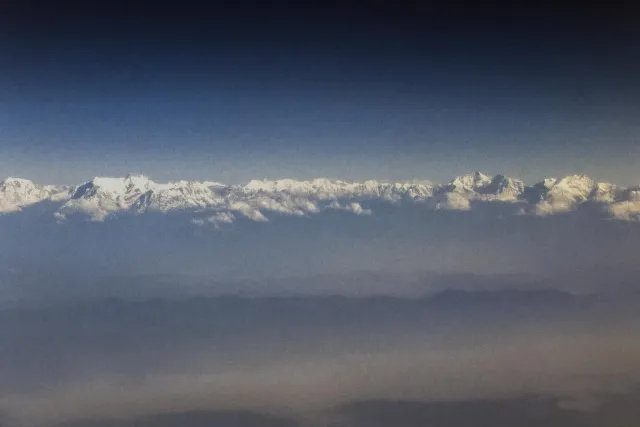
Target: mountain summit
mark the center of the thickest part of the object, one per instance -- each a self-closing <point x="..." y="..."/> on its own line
<point x="104" y="197"/>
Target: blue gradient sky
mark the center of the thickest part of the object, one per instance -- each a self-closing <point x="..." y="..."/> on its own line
<point x="86" y="95"/>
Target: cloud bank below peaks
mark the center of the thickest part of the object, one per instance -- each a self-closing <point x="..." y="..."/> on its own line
<point x="217" y="204"/>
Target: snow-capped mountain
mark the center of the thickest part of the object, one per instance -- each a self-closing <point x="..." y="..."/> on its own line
<point x="469" y="183"/>
<point x="483" y="187"/>
<point x="216" y="203"/>
<point x="16" y="193"/>
<point x="138" y="193"/>
<point x="325" y="189"/>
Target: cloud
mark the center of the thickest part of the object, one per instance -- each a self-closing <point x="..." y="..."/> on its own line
<point x="352" y="207"/>
<point x="396" y="249"/>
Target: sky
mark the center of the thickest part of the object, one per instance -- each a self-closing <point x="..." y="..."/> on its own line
<point x="343" y="90"/>
<point x="126" y="303"/>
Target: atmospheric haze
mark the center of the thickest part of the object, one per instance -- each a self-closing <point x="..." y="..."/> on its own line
<point x="280" y="303"/>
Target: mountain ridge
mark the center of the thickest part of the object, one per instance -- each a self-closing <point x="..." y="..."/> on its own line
<point x="104" y="197"/>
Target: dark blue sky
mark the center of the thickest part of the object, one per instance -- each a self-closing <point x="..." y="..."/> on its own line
<point x="349" y="90"/>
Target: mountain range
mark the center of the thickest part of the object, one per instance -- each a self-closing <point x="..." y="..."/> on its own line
<point x="215" y="203"/>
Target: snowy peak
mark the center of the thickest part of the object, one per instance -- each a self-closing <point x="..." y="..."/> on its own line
<point x="607" y="193"/>
<point x="269" y="186"/>
<point x="16" y="193"/>
<point x="18" y="186"/>
<point x="325" y="189"/>
<point x="138" y="183"/>
<point x="480" y="186"/>
<point x="573" y="187"/>
<point x="468" y="183"/>
<point x="504" y="186"/>
<point x="182" y="195"/>
<point x="132" y="183"/>
<point x="556" y="196"/>
<point x="15" y="181"/>
<point x="215" y="203"/>
<point x="103" y="195"/>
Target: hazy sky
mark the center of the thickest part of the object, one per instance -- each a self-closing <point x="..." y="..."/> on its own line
<point x="123" y="303"/>
<point x="248" y="91"/>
